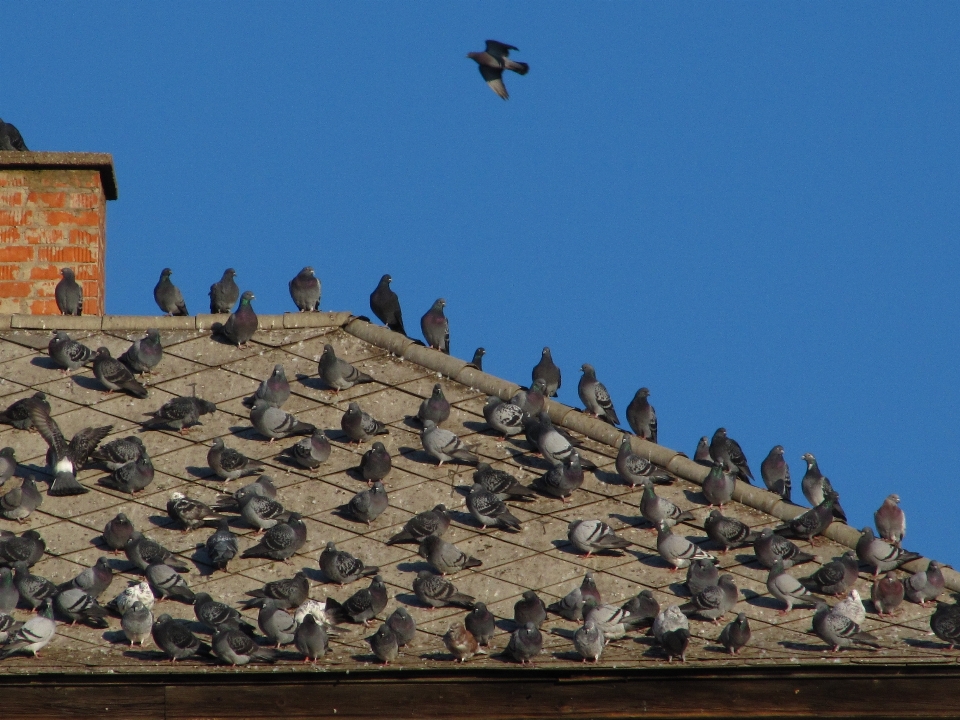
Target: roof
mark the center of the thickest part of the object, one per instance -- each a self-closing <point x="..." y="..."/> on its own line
<point x="101" y="162"/>
<point x="537" y="558"/>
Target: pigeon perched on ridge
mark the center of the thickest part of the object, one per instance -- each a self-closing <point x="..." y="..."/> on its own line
<point x="881" y="555"/>
<point x="547" y="371"/>
<point x="736" y="635"/>
<point x="461" y="642"/>
<point x="69" y="294"/>
<point x="224" y="293"/>
<point x="242" y="324"/>
<point x="168" y="296"/>
<point x="727" y="451"/>
<point x="676" y="550"/>
<point x="493" y="61"/>
<point x="68" y="353"/>
<point x="228" y="463"/>
<point x="423" y="525"/>
<point x="305" y="290"/>
<point x="114" y="375"/>
<point x="556" y="445"/>
<point x="562" y="480"/>
<point x="816" y="487"/>
<point x="637" y="470"/>
<point x="594" y="396"/>
<point x="281" y="541"/>
<point x="339" y="374"/>
<point x="375" y="464"/>
<point x="10" y="138"/>
<point x="180" y="413"/>
<point x="341" y="567"/>
<point x="481" y="623"/>
<point x="718" y="485"/>
<point x="529" y="609"/>
<point x="477" y="361"/>
<point x="445" y="445"/>
<point x="811" y="523"/>
<point x="501" y="483"/>
<point x="367" y="505"/>
<point x="144" y="354"/>
<point x="18" y="502"/>
<point x="489" y="510"/>
<point x="359" y="426"/>
<point x="835" y="577"/>
<point x="18" y="413"/>
<point x="728" y="532"/>
<point x="63" y="459"/>
<point x="890" y="520"/>
<point x="925" y="585"/>
<point x="275" y="390"/>
<point x="641" y="416"/>
<point x="190" y="513"/>
<point x="776" y="473"/>
<point x="786" y="588"/>
<point x="887" y="593"/>
<point x="436" y="407"/>
<point x="770" y="547"/>
<point x="595" y="536"/>
<point x="222" y="546"/>
<point x="505" y="418"/>
<point x="436" y="328"/>
<point x="656" y="509"/>
<point x="531" y="400"/>
<point x="701" y="455"/>
<point x="839" y="631"/>
<point x="311" y="452"/>
<point x="174" y="638"/>
<point x="436" y="591"/>
<point x="362" y="606"/>
<point x="386" y="305"/>
<point x="446" y="558"/>
<point x="33" y="635"/>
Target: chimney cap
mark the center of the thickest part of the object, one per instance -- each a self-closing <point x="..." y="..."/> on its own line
<point x="102" y="162"/>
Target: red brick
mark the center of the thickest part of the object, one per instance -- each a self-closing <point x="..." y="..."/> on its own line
<point x="44" y="288"/>
<point x="10" y="179"/>
<point x="10" y="235"/>
<point x="84" y="200"/>
<point x="72" y="254"/>
<point x="48" y="199"/>
<point x="44" y="236"/>
<point x="82" y="237"/>
<point x="45" y="272"/>
<point x="13" y="198"/>
<point x="15" y="289"/>
<point x="8" y="272"/>
<point x="88" y="272"/>
<point x="44" y="307"/>
<point x="15" y="217"/>
<point x="61" y="217"/>
<point x="16" y="253"/>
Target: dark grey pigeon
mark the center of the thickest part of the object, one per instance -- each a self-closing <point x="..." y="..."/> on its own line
<point x="144" y="354"/>
<point x="311" y="452"/>
<point x="222" y="546"/>
<point x="375" y="463"/>
<point x="180" y="413"/>
<point x="642" y="417"/>
<point x="477" y="361"/>
<point x="118" y="532"/>
<point x="63" y="459"/>
<point x="168" y="295"/>
<point x="341" y="567"/>
<point x="926" y="585"/>
<point x="33" y="589"/>
<point x="190" y="512"/>
<point x="436" y="591"/>
<point x="811" y="523"/>
<point x="278" y="625"/>
<point x="436" y="407"/>
<point x="275" y="390"/>
<point x="702" y="454"/>
<point x="776" y="473"/>
<point x="8" y="463"/>
<point x="735" y="635"/>
<point x="547" y="371"/>
<point x="232" y="503"/>
<point x="18" y="414"/>
<point x="945" y="623"/>
<point x="69" y="294"/>
<point x="770" y="547"/>
<point x="525" y="644"/>
<point x="403" y="626"/>
<point x="834" y="578"/>
<point x="386" y="305"/>
<point x="562" y="480"/>
<point x="714" y="601"/>
<point x="367" y="505"/>
<point x="384" y="644"/>
<point x="362" y="606"/>
<point x="130" y="478"/>
<point x="701" y="573"/>
<point x="816" y="486"/>
<point x="726" y="450"/>
<point x="10" y="138"/>
<point x="230" y="464"/>
<point x="236" y="648"/>
<point x="489" y="510"/>
<point x="359" y="426"/>
<point x="481" y="623"/>
<point x="224" y="293"/>
<point x="143" y="552"/>
<point x="305" y="290"/>
<point x="168" y="583"/>
<point x="114" y="375"/>
<point x="718" y="485"/>
<point x="218" y="616"/>
<point x="423" y="525"/>
<point x="281" y="541"/>
<point x="501" y="483"/>
<point x="339" y="374"/>
<point x="93" y="580"/>
<point x="728" y="532"/>
<point x="288" y="592"/>
<point x="529" y="609"/>
<point x="594" y="396"/>
<point x="119" y="452"/>
<point x="493" y="61"/>
<point x="310" y="639"/>
<point x="18" y="502"/>
<point x="175" y="639"/>
<point x="570" y="606"/>
<point x="9" y="595"/>
<point x="446" y="558"/>
<point x="260" y="511"/>
<point x="436" y="328"/>
<point x="506" y="419"/>
<point x="589" y="641"/>
<point x="242" y="324"/>
<point x="67" y="353"/>
<point x="28" y="547"/>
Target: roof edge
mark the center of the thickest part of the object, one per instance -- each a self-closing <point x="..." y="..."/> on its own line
<point x="102" y="162"/>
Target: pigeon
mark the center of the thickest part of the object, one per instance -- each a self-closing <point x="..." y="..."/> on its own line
<point x="881" y="555"/>
<point x="275" y="390"/>
<point x="144" y="354"/>
<point x="890" y="521"/>
<point x="945" y="623"/>
<point x="642" y="417"/>
<point x="636" y="470"/>
<point x="786" y="588"/>
<point x="219" y="616"/>
<point x="656" y="509"/>
<point x="260" y="511"/>
<point x="281" y="541"/>
<point x="29" y="547"/>
<point x="547" y="371"/>
<point x="718" y="486"/>
<point x="403" y="626"/>
<point x="460" y="642"/>
<point x="594" y="536"/>
<point x="288" y="592"/>
<point x="114" y="375"/>
<point x="446" y="558"/>
<point x="362" y="606"/>
<point x="501" y="483"/>
<point x="838" y="631"/>
<point x="77" y="606"/>
<point x="129" y="596"/>
<point x="305" y="290"/>
<point x="477" y="361"/>
<point x="168" y="296"/>
<point x="852" y="607"/>
<point x="770" y="547"/>
<point x="702" y="454"/>
<point x="242" y="324"/>
<point x="589" y="641"/>
<point x="444" y="445"/>
<point x="384" y="644"/>
<point x="701" y="574"/>
<point x="8" y="464"/>
<point x="233" y="647"/>
<point x="65" y="459"/>
<point x="887" y="593"/>
<point x="311" y="452"/>
<point x="222" y="546"/>
<point x="310" y="639"/>
<point x="92" y="580"/>
<point x="224" y="293"/>
<point x="168" y="583"/>
<point x="230" y="464"/>
<point x="367" y="505"/>
<point x="529" y="609"/>
<point x="137" y="623"/>
<point x="926" y="585"/>
<point x="436" y="407"/>
<point x="776" y="473"/>
<point x="436" y="328"/>
<point x="670" y="620"/>
<point x="117" y="453"/>
<point x="570" y="606"/>
<point x="525" y="644"/>
<point x="675" y="644"/>
<point x="385" y="304"/>
<point x="130" y="478"/>
<point x="834" y="578"/>
<point x="595" y="397"/>
<point x="562" y="480"/>
<point x="531" y="400"/>
<point x="33" y="589"/>
<point x="428" y="523"/>
<point x="736" y="635"/>
<point x="341" y="567"/>
<point x="263" y="487"/>
<point x="33" y="635"/>
<point x="714" y="601"/>
<point x="816" y="487"/>
<point x="488" y="510"/>
<point x="493" y="61"/>
<point x="21" y="500"/>
<point x="436" y="591"/>
<point x="69" y="294"/>
<point x="9" y="595"/>
<point x="175" y="639"/>
<point x="556" y="446"/>
<point x="180" y="413"/>
<point x="18" y="415"/>
<point x="10" y="138"/>
<point x="67" y="353"/>
<point x="728" y="532"/>
<point x="143" y="552"/>
<point x="481" y="624"/>
<point x="375" y="464"/>
<point x="339" y="374"/>
<point x="811" y="523"/>
<point x="676" y="550"/>
<point x="274" y="423"/>
<point x="727" y="451"/>
<point x="118" y="532"/>
<point x="613" y="621"/>
<point x="505" y="418"/>
<point x="359" y="426"/>
<point x="191" y="513"/>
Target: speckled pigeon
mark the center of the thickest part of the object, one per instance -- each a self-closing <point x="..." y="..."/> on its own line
<point x="505" y="418"/>
<point x="362" y="606"/>
<point x="835" y="577"/>
<point x="726" y="450"/>
<point x="945" y="623"/>
<point x="222" y="546"/>
<point x="770" y="547"/>
<point x="311" y="452"/>
<point x="114" y="375"/>
<point x="595" y="397"/>
<point x="839" y="631"/>
<point x="180" y="413"/>
<point x="489" y="510"/>
<point x="436" y="591"/>
<point x="174" y="638"/>
<point x="228" y="463"/>
<point x="701" y="573"/>
<point x="423" y="525"/>
<point x="281" y="541"/>
<point x="341" y="567"/>
<point x="143" y="552"/>
<point x="275" y="390"/>
<point x="637" y="470"/>
<point x="68" y="353"/>
<point x="595" y="536"/>
<point x="728" y="532"/>
<point x="501" y="483"/>
<point x="811" y="523"/>
<point x="714" y="601"/>
<point x="562" y="480"/>
<point x="18" y="413"/>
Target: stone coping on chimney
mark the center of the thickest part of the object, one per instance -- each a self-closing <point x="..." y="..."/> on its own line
<point x="102" y="162"/>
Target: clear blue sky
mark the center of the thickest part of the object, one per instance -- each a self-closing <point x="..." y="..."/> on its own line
<point x="750" y="208"/>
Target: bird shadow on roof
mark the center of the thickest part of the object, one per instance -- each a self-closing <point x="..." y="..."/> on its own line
<point x="414" y="567"/>
<point x="45" y="362"/>
<point x="802" y="647"/>
<point x="87" y="383"/>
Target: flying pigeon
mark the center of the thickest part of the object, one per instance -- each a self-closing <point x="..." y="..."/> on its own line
<point x="65" y="459"/>
<point x="386" y="305"/>
<point x="305" y="290"/>
<point x="493" y="61"/>
<point x="168" y="295"/>
<point x="224" y="293"/>
<point x="69" y="294"/>
<point x="18" y="414"/>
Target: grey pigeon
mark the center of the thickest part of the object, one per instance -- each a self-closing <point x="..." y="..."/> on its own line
<point x="835" y="577"/>
<point x="714" y="601"/>
<point x="570" y="606"/>
<point x="242" y="324"/>
<point x="642" y="417"/>
<point x="403" y="626"/>
<point x="189" y="512"/>
<point x="770" y="547"/>
<point x="446" y="558"/>
<point x="547" y="371"/>
<point x="305" y="290"/>
<point x="262" y="488"/>
<point x="92" y="580"/>
<point x="736" y="635"/>
<point x="117" y="453"/>
<point x="339" y="374"/>
<point x="556" y="446"/>
<point x="114" y="375"/>
<point x="28" y="548"/>
<point x="130" y="478"/>
<point x="33" y="635"/>
<point x="167" y="582"/>
<point x="359" y="426"/>
<point x="118" y="532"/>
<point x="217" y="615"/>
<point x="786" y="588"/>
<point x="727" y="451"/>
<point x="281" y="541"/>
<point x="887" y="593"/>
<point x="531" y="400"/>
<point x="224" y="293"/>
<point x="384" y="644"/>
<point x="461" y="643"/>
<point x="174" y="638"/>
<point x="143" y="552"/>
<point x="637" y="470"/>
<point x="18" y="415"/>
<point x="10" y="138"/>
<point x="701" y="574"/>
<point x="728" y="532"/>
<point x="386" y="305"/>
<point x="436" y="328"/>
<point x="375" y="464"/>
<point x="33" y="589"/>
<point x="890" y="521"/>
<point x="525" y="644"/>
<point x="367" y="505"/>
<point x="926" y="585"/>
<point x="493" y="61"/>
<point x="656" y="509"/>
<point x="18" y="502"/>
<point x="481" y="623"/>
<point x="529" y="609"/>
<point x="594" y="396"/>
<point x="8" y="464"/>
<point x="423" y="525"/>
<point x="362" y="606"/>
<point x="589" y="641"/>
<point x="501" y="483"/>
<point x="63" y="459"/>
<point x="852" y="607"/>
<point x="477" y="361"/>
<point x="77" y="606"/>
<point x="180" y="413"/>
<point x="816" y="487"/>
<point x="168" y="296"/>
<point x="881" y="555"/>
<point x="945" y="623"/>
<point x="595" y="536"/>
<point x="614" y="622"/>
<point x="436" y="407"/>
<point x="230" y="464"/>
<point x="274" y="423"/>
<point x="702" y="454"/>
<point x="144" y="354"/>
<point x="311" y="452"/>
<point x="310" y="639"/>
<point x="444" y="445"/>
<point x="676" y="550"/>
<point x="235" y="648"/>
<point x="68" y="353"/>
<point x="341" y="567"/>
<point x="436" y="591"/>
<point x="288" y="592"/>
<point x="776" y="473"/>
<point x="811" y="523"/>
<point x="839" y="631"/>
<point x="69" y="294"/>
<point x="9" y="595"/>
<point x="137" y="623"/>
<point x="8" y="627"/>
<point x="562" y="480"/>
<point x="506" y="419"/>
<point x="222" y="546"/>
<point x="488" y="510"/>
<point x="718" y="486"/>
<point x="275" y="390"/>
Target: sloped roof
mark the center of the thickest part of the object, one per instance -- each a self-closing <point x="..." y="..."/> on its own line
<point x="537" y="558"/>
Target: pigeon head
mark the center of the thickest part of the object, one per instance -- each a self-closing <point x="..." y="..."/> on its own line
<point x="229" y="274"/>
<point x="307" y="271"/>
<point x="643" y="393"/>
<point x="217" y="444"/>
<point x="429" y="424"/>
<point x="810" y="459"/>
<point x="331" y="546"/>
<point x="247" y="297"/>
<point x="205" y="406"/>
<point x="386" y="280"/>
<point x="103" y="352"/>
<point x="440" y="304"/>
<point x="588" y="370"/>
<point x="67" y="274"/>
<point x="165" y="273"/>
<point x="278" y="371"/>
<point x="546" y="352"/>
<point x="153" y="334"/>
<point x="894" y="498"/>
<point x="438" y="392"/>
<point x="7" y="452"/>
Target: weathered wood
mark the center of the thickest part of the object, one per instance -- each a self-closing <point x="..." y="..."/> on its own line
<point x="44" y="699"/>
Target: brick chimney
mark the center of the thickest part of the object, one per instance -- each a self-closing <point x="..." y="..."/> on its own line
<point x="53" y="214"/>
